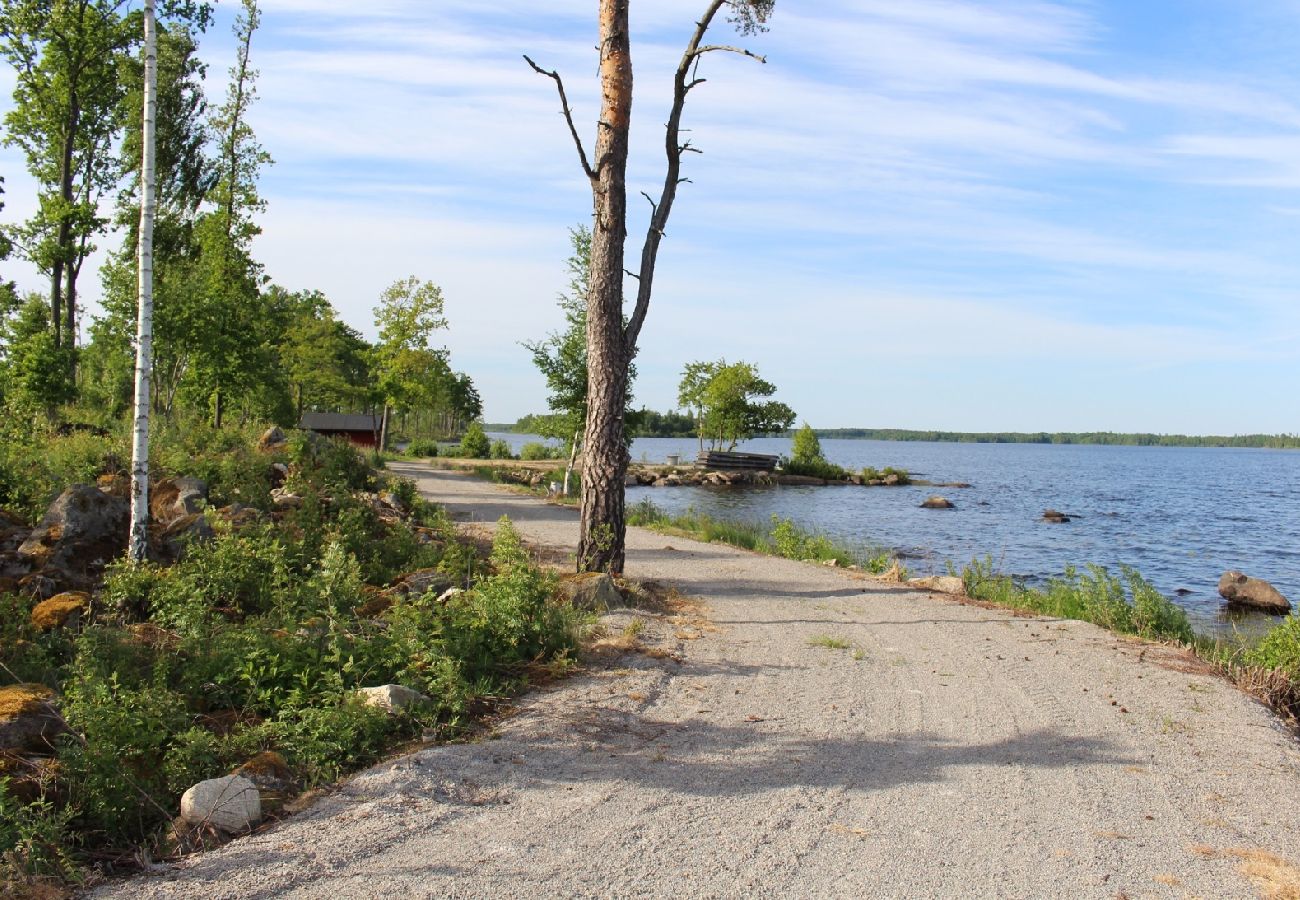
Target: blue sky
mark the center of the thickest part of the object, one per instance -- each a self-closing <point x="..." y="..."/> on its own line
<point x="956" y="214"/>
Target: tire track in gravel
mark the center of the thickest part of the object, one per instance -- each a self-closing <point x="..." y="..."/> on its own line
<point x="933" y="759"/>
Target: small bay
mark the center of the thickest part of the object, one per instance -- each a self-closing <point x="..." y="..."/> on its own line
<point x="1181" y="516"/>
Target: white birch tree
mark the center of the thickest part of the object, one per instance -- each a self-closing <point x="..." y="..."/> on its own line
<point x="139" y="540"/>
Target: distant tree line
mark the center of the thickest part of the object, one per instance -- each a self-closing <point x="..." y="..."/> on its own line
<point x="1112" y="438"/>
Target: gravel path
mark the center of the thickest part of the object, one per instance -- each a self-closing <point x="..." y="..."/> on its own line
<point x="949" y="751"/>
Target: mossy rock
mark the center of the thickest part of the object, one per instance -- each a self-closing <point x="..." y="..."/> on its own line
<point x="28" y="720"/>
<point x="61" y="611"/>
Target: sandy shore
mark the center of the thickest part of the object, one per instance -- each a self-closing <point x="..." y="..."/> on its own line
<point x="948" y="750"/>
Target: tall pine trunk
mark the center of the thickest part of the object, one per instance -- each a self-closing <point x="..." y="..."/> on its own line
<point x="605" y="458"/>
<point x="139" y="541"/>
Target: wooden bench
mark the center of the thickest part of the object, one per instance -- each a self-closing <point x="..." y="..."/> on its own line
<point x="715" y="459"/>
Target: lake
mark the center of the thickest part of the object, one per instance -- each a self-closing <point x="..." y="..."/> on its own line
<point x="1181" y="516"/>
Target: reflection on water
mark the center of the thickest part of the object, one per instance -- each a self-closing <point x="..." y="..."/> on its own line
<point x="1180" y="516"/>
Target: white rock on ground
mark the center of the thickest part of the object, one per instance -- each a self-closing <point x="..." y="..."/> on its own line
<point x="230" y="804"/>
<point x="392" y="697"/>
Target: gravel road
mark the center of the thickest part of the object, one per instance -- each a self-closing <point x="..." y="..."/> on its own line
<point x="948" y="751"/>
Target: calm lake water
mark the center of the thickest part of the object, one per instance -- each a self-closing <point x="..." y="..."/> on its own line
<point x="1180" y="516"/>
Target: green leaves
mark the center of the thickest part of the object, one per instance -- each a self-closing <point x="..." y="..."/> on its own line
<point x="723" y="396"/>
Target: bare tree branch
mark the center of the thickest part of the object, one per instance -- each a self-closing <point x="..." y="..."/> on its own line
<point x="727" y="49"/>
<point x="684" y="80"/>
<point x="568" y="115"/>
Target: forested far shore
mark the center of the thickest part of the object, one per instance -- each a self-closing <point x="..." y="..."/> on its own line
<point x="648" y="423"/>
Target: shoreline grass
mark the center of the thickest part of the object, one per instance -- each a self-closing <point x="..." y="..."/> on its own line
<point x="782" y="538"/>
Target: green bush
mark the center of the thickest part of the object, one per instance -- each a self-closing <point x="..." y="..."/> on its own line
<point x="871" y="473"/>
<point x="536" y="450"/>
<point x="500" y="449"/>
<point x="474" y="443"/>
<point x="421" y="447"/>
<point x="1280" y="649"/>
<point x="814" y="468"/>
<point x="805" y="447"/>
<point x="35" y="840"/>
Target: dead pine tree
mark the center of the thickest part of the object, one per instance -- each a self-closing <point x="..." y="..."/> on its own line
<point x="612" y="340"/>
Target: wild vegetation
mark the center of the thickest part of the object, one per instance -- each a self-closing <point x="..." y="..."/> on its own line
<point x="226" y="345"/>
<point x="256" y="640"/>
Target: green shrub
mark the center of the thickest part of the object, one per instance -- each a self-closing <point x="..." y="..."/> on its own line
<point x="421" y="447"/>
<point x="500" y="449"/>
<point x="814" y="468"/>
<point x="474" y="443"/>
<point x="871" y="473"/>
<point x="1280" y="649"/>
<point x="806" y="448"/>
<point x="35" y="840"/>
<point x="535" y="450"/>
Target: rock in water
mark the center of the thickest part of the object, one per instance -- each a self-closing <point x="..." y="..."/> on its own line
<point x="1239" y="589"/>
<point x="937" y="502"/>
<point x="230" y="804"/>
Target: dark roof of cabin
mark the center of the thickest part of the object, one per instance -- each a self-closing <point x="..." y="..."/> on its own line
<point x="315" y="421"/>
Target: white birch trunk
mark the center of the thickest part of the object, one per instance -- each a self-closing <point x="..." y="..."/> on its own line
<point x="573" y="459"/>
<point x="139" y="540"/>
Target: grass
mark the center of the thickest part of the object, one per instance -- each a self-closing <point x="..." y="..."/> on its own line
<point x="781" y="538"/>
<point x="1128" y="604"/>
<point x="826" y="642"/>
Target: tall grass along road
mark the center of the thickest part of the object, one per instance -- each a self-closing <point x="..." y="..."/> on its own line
<point x="805" y="731"/>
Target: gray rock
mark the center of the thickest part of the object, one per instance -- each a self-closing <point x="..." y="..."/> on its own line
<point x="422" y="582"/>
<point x="274" y="437"/>
<point x="175" y="498"/>
<point x="937" y="502"/>
<point x="1054" y="516"/>
<point x="230" y="804"/>
<point x="391" y="697"/>
<point x="593" y="591"/>
<point x="82" y="530"/>
<point x="1239" y="589"/>
<point x="182" y="532"/>
<point x="943" y="584"/>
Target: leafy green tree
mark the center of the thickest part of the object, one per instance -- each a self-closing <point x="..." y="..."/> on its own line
<point x="475" y="443"/>
<point x="408" y="314"/>
<point x="806" y="448"/>
<point x="324" y="359"/>
<point x="562" y="359"/>
<point x="724" y="397"/>
<point x="233" y="340"/>
<point x="185" y="174"/>
<point x="67" y="114"/>
<point x="33" y="366"/>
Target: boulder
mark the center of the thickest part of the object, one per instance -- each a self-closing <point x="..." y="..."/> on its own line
<point x="937" y="502"/>
<point x="943" y="584"/>
<point x="271" y="776"/>
<point x="283" y="498"/>
<point x="273" y="438"/>
<point x="82" y="530"/>
<point x="180" y="533"/>
<point x="593" y="591"/>
<point x="279" y="474"/>
<point x="392" y="698"/>
<point x="230" y="804"/>
<point x="237" y="515"/>
<point x="29" y="722"/>
<point x="61" y="611"/>
<point x="174" y="498"/>
<point x="115" y="484"/>
<point x="1054" y="516"/>
<point x="1240" y="589"/>
<point x="892" y="479"/>
<point x="421" y="582"/>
